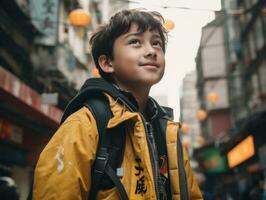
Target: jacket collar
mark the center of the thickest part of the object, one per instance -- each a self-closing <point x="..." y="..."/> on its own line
<point x="101" y="85"/>
<point x="154" y="110"/>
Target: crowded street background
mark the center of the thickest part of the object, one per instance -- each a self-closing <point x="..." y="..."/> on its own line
<point x="45" y="58"/>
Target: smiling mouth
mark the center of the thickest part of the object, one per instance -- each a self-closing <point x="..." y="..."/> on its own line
<point x="150" y="65"/>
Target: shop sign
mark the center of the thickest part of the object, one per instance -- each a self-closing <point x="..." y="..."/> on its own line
<point x="241" y="152"/>
<point x="212" y="160"/>
<point x="10" y="132"/>
<point x="44" y="15"/>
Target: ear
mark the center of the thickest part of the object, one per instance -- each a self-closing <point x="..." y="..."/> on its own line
<point x="105" y="64"/>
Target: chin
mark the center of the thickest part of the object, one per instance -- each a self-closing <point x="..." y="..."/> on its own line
<point x="152" y="81"/>
<point x="157" y="79"/>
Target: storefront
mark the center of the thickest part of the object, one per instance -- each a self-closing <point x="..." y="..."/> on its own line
<point x="25" y="127"/>
<point x="213" y="164"/>
<point x="246" y="154"/>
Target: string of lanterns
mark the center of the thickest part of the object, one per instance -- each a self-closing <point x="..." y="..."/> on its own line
<point x="81" y="18"/>
<point x="201" y="115"/>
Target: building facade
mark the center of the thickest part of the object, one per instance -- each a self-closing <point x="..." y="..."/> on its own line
<point x="189" y="106"/>
<point x="43" y="62"/>
<point x="246" y="55"/>
<point x="238" y="59"/>
<point x="212" y="80"/>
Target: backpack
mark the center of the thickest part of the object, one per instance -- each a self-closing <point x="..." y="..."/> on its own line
<point x="110" y="150"/>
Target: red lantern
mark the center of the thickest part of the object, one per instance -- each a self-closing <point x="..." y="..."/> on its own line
<point x="169" y="25"/>
<point x="79" y="17"/>
<point x="202" y="115"/>
<point x="184" y="128"/>
<point x="212" y="97"/>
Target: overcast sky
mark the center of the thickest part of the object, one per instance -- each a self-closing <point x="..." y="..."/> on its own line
<point x="183" y="41"/>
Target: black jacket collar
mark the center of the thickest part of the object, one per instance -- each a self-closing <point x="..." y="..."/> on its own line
<point x="98" y="85"/>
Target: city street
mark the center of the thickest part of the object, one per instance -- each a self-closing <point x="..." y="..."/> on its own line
<point x="215" y="80"/>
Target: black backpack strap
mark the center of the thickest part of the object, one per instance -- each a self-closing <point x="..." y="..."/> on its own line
<point x="100" y="109"/>
<point x="184" y="195"/>
<point x="92" y="86"/>
<point x="182" y="172"/>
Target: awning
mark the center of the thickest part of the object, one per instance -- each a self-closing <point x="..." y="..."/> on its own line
<point x="18" y="95"/>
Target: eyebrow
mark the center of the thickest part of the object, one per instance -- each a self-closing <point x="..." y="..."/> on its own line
<point x="132" y="34"/>
<point x="155" y="35"/>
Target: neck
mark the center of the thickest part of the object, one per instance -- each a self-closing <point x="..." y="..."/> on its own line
<point x="142" y="98"/>
<point x="140" y="93"/>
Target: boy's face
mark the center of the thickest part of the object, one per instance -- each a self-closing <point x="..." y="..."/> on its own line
<point x="138" y="58"/>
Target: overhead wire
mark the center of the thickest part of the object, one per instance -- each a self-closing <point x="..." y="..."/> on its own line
<point x="229" y="12"/>
<point x="224" y="17"/>
<point x="225" y="11"/>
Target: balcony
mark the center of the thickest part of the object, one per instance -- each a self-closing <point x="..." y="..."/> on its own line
<point x="58" y="70"/>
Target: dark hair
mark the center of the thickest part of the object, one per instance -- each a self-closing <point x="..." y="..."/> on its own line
<point x="103" y="39"/>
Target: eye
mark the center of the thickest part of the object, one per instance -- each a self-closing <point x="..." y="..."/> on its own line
<point x="134" y="41"/>
<point x="157" y="43"/>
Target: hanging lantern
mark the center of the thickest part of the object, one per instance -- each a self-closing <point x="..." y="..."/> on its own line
<point x="184" y="128"/>
<point x="202" y="115"/>
<point x="200" y="140"/>
<point x="79" y="17"/>
<point x="169" y="25"/>
<point x="95" y="72"/>
<point x="212" y="97"/>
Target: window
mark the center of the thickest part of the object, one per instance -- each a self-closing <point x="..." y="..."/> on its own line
<point x="258" y="33"/>
<point x="262" y="72"/>
<point x="246" y="51"/>
<point x="264" y="24"/>
<point x="252" y="45"/>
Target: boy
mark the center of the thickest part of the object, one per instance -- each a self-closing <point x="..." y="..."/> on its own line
<point x="129" y="53"/>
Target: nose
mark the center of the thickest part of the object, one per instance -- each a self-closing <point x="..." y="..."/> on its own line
<point x="150" y="52"/>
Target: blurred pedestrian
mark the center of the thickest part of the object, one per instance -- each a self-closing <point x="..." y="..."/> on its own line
<point x="8" y="189"/>
<point x="207" y="191"/>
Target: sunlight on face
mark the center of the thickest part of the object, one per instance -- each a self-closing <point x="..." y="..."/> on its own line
<point x="138" y="58"/>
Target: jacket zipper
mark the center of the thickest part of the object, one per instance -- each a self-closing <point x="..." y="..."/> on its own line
<point x="152" y="152"/>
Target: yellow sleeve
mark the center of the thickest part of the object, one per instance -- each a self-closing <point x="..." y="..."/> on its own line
<point x="63" y="170"/>
<point x="194" y="191"/>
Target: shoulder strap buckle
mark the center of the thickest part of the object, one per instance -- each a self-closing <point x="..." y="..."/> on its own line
<point x="101" y="160"/>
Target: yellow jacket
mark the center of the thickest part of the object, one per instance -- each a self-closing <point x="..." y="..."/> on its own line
<point x="64" y="168"/>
